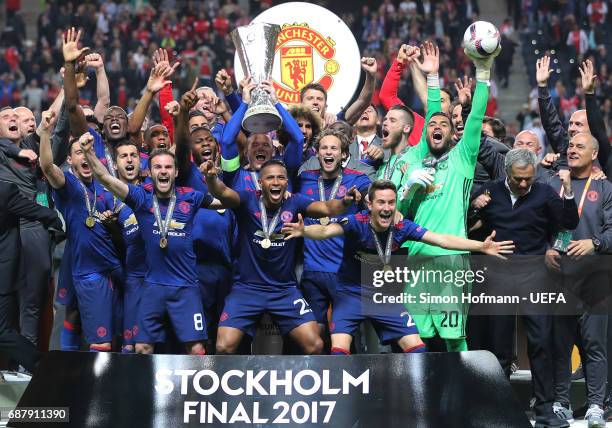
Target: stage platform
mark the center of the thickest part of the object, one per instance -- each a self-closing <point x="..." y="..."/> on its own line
<point x="469" y="378"/>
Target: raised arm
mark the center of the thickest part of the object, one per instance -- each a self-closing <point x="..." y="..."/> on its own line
<point x="230" y="158"/>
<point x="563" y="211"/>
<point x="181" y="136"/>
<point x="224" y="83"/>
<point x="594" y="117"/>
<point x="333" y="207"/>
<point x="54" y="174"/>
<point x="452" y="242"/>
<point x="468" y="147"/>
<point x="470" y="142"/>
<point x="71" y="52"/>
<point x="354" y="112"/>
<point x="61" y="137"/>
<point x="158" y="78"/>
<point x="293" y="151"/>
<point x="390" y="85"/>
<point x="165" y="95"/>
<point x="227" y="196"/>
<point x="551" y="122"/>
<point x="114" y="185"/>
<point x="58" y="103"/>
<point x="314" y="231"/>
<point x="418" y="83"/>
<point x="102" y="90"/>
<point x="430" y="66"/>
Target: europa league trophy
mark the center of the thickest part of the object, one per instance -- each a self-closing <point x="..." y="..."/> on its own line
<point x="255" y="44"/>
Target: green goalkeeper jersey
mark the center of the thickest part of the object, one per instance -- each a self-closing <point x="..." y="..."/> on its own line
<point x="442" y="207"/>
<point x="392" y="168"/>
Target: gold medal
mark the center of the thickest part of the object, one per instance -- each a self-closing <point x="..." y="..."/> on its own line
<point x="324" y="221"/>
<point x="163" y="242"/>
<point x="387" y="268"/>
<point x="90" y="222"/>
<point x="266" y="243"/>
<point x="221" y="211"/>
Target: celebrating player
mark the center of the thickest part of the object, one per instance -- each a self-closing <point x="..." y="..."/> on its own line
<point x="330" y="181"/>
<point x="95" y="265"/>
<point x="259" y="146"/>
<point x="170" y="285"/>
<point x="435" y="193"/>
<point x="127" y="165"/>
<point x="266" y="281"/>
<point x="374" y="233"/>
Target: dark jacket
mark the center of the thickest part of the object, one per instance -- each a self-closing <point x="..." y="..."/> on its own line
<point x="557" y="134"/>
<point x="598" y="130"/>
<point x="14" y="206"/>
<point x="493" y="162"/>
<point x="596" y="218"/>
<point x="533" y="219"/>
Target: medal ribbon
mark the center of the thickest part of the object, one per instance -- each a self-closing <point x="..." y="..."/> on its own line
<point x="386" y="256"/>
<point x="433" y="162"/>
<point x="91" y="208"/>
<point x="163" y="226"/>
<point x="390" y="170"/>
<point x="264" y="219"/>
<point x="334" y="189"/>
<point x="255" y="179"/>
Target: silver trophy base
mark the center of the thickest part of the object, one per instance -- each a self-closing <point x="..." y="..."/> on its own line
<point x="260" y="119"/>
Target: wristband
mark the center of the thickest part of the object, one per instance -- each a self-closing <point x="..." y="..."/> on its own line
<point x="433" y="81"/>
<point x="483" y="75"/>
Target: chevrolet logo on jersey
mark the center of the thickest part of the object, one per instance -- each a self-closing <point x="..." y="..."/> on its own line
<point x="273" y="237"/>
<point x="130" y="221"/>
<point x="368" y="258"/>
<point x="174" y="225"/>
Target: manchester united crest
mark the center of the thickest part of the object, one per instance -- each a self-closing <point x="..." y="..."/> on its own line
<point x="319" y="48"/>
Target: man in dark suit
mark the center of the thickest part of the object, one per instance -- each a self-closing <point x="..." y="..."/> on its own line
<point x="365" y="140"/>
<point x="14" y="206"/>
<point x="529" y="212"/>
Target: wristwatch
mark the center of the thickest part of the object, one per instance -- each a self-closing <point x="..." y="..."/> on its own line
<point x="596" y="244"/>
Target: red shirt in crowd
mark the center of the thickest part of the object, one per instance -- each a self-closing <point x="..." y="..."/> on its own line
<point x="389" y="98"/>
<point x="221" y="25"/>
<point x="201" y="27"/>
<point x="11" y="56"/>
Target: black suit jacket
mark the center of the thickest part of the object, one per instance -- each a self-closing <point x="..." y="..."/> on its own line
<point x="14" y="206"/>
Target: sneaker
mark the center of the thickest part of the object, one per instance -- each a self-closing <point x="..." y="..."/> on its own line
<point x="563" y="413"/>
<point x="594" y="416"/>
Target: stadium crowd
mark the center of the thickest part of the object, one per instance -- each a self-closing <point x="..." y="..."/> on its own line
<point x="182" y="228"/>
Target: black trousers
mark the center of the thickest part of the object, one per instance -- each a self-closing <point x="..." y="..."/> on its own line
<point x="492" y="327"/>
<point x="593" y="331"/>
<point x="35" y="263"/>
<point x="584" y="322"/>
<point x="12" y="344"/>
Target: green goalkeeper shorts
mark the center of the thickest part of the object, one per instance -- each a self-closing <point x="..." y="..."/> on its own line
<point x="438" y="290"/>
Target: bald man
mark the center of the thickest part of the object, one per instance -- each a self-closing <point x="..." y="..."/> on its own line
<point x="18" y="155"/>
<point x="556" y="133"/>
<point x="584" y="277"/>
<point x="27" y="122"/>
<point x="493" y="161"/>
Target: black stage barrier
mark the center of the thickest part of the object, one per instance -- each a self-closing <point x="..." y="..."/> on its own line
<point x="466" y="389"/>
